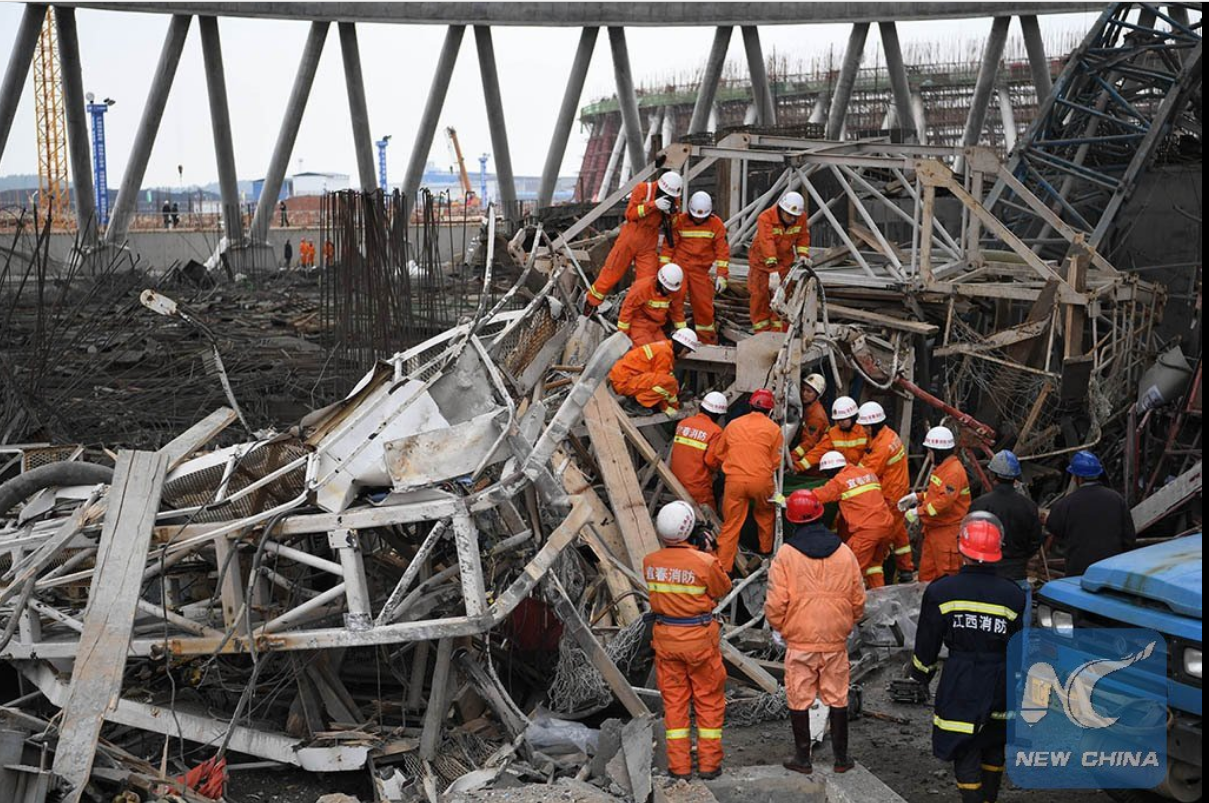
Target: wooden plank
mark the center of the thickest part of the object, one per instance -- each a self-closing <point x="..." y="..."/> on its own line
<point x="96" y="681"/>
<point x="438" y="701"/>
<point x="890" y="322"/>
<point x="197" y="436"/>
<point x="1167" y="498"/>
<point x="1074" y="318"/>
<point x="753" y="671"/>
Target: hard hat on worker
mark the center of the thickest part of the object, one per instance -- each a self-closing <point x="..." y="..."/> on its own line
<point x="700" y="204"/>
<point x="939" y="438"/>
<point x="792" y="203"/>
<point x="687" y="338"/>
<point x="1085" y="465"/>
<point x="762" y="399"/>
<point x="714" y="402"/>
<point x="870" y="413"/>
<point x="670" y="182"/>
<point x="803" y="506"/>
<point x="844" y="407"/>
<point x="816" y="382"/>
<point x="1005" y="464"/>
<point x="675" y="522"/>
<point x="671" y="276"/>
<point x="832" y="460"/>
<point x="981" y="537"/>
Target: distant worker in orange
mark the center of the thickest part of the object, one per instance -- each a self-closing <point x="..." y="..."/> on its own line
<point x="866" y="522"/>
<point x="699" y="245"/>
<point x="650" y="303"/>
<point x="329" y="252"/>
<point x="887" y="458"/>
<point x="684" y="584"/>
<point x="749" y="453"/>
<point x="815" y="597"/>
<point x="782" y="237"/>
<point x="845" y="436"/>
<point x="651" y="202"/>
<point x="814" y="417"/>
<point x="696" y="437"/>
<point x="940" y="507"/>
<point x="645" y="374"/>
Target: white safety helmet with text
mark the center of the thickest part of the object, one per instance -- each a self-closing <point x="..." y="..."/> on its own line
<point x="700" y="204"/>
<point x="844" y="407"/>
<point x="671" y="183"/>
<point x="871" y="413"/>
<point x="817" y="383"/>
<point x="714" y="402"/>
<point x="671" y="276"/>
<point x="675" y="522"/>
<point x="832" y="460"/>
<point x="793" y="203"/>
<point x="687" y="338"/>
<point x="939" y="438"/>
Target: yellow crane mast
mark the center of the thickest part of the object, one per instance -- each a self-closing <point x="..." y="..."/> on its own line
<point x="54" y="197"/>
<point x="467" y="189"/>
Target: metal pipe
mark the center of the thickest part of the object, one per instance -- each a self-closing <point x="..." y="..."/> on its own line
<point x="566" y="115"/>
<point x="305" y="558"/>
<point x="294" y="614"/>
<point x="289" y="130"/>
<point x="220" y="124"/>
<point x="846" y="81"/>
<point x="432" y="112"/>
<point x="708" y="89"/>
<point x="627" y="98"/>
<point x="496" y="124"/>
<point x="766" y="110"/>
<point x="1037" y="61"/>
<point x="18" y="67"/>
<point x="985" y="83"/>
<point x="897" y="69"/>
<point x="78" y="145"/>
<point x="358" y="110"/>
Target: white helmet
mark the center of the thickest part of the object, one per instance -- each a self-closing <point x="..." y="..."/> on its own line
<point x="714" y="402"/>
<point x="671" y="276"/>
<point x="939" y="438"/>
<point x="700" y="204"/>
<point x="675" y="522"/>
<point x="671" y="183"/>
<point x="793" y="203"/>
<point x="687" y="338"/>
<point x="844" y="407"/>
<point x="817" y="383"/>
<point x="871" y="413"/>
<point x="832" y="460"/>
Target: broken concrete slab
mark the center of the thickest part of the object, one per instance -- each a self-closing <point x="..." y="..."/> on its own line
<point x="767" y="784"/>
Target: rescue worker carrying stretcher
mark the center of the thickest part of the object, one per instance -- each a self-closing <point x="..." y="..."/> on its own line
<point x="940" y="507"/>
<point x="694" y="444"/>
<point x="887" y="458"/>
<point x="699" y="244"/>
<point x="814" y="417"/>
<point x="974" y="613"/>
<point x="650" y="303"/>
<point x="684" y="584"/>
<point x="864" y="519"/>
<point x="645" y="374"/>
<point x="845" y="436"/>
<point x="782" y="237"/>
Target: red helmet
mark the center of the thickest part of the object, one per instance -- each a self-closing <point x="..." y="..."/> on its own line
<point x="762" y="399"/>
<point x="981" y="537"/>
<point x="803" y="506"/>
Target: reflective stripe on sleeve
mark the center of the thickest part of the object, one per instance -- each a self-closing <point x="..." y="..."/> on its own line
<point x="875" y="570"/>
<point x="803" y="251"/>
<point x="770" y="261"/>
<point x="653" y="304"/>
<point x="953" y="725"/>
<point x="920" y="665"/>
<point x="852" y="444"/>
<point x="679" y="324"/>
<point x="971" y="606"/>
<point x="931" y="509"/>
<point x="722" y="263"/>
<point x="758" y="325"/>
<point x="901" y="454"/>
<point x="623" y="326"/>
<point x="596" y="293"/>
<point x="650" y="355"/>
<point x="935" y="480"/>
<point x="903" y="550"/>
<point x="701" y="328"/>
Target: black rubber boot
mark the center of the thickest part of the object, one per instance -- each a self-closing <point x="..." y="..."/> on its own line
<point x="839" y="739"/>
<point x="991" y="780"/>
<point x="971" y="795"/>
<point x="800" y="720"/>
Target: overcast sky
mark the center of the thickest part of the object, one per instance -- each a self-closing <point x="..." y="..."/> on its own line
<point x="120" y="50"/>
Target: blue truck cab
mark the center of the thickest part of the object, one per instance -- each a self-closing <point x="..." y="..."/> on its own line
<point x="1156" y="587"/>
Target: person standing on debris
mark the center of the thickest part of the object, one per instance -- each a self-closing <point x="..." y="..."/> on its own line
<point x="166" y="211"/>
<point x="645" y="374"/>
<point x="176" y="215"/>
<point x="684" y="584"/>
<point x="649" y="304"/>
<point x="329" y="253"/>
<point x="815" y="597"/>
<point x="864" y="519"/>
<point x="285" y="219"/>
<point x="1093" y="522"/>
<point x="940" y="507"/>
<point x="814" y="417"/>
<point x="749" y="453"/>
<point x="974" y="613"/>
<point x="692" y="447"/>
<point x="845" y="436"/>
<point x="699" y="244"/>
<point x="651" y="203"/>
<point x="287" y="254"/>
<point x="1021" y="523"/>
<point x="887" y="458"/>
<point x="782" y="236"/>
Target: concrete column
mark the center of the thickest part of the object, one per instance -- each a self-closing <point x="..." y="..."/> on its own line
<point x="985" y="84"/>
<point x="611" y="168"/>
<point x="627" y="98"/>
<point x="1006" y="117"/>
<point x="78" y="146"/>
<point x="432" y="112"/>
<point x="709" y="80"/>
<point x="919" y="116"/>
<point x="18" y="67"/>
<point x="220" y="125"/>
<point x="847" y="79"/>
<point x="566" y="116"/>
<point x="358" y="110"/>
<point x="897" y="69"/>
<point x="1037" y="61"/>
<point x="267" y="205"/>
<point x="149" y="126"/>
<point x="818" y="112"/>
<point x="766" y="110"/>
<point x="495" y="121"/>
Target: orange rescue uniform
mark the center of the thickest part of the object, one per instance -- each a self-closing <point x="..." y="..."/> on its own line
<point x="684" y="586"/>
<point x="696" y="437"/>
<point x="866" y="519"/>
<point x="774" y="248"/>
<point x="851" y="444"/>
<point x="814" y="426"/>
<point x="638" y="243"/>
<point x="749" y="452"/>
<point x="646" y="311"/>
<point x="697" y="247"/>
<point x="887" y="458"/>
<point x="942" y="506"/>
<point x="645" y="374"/>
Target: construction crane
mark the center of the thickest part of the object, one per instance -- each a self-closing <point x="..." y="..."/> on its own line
<point x="467" y="189"/>
<point x="54" y="197"/>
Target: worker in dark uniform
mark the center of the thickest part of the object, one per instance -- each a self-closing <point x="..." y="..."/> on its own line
<point x="1093" y="522"/>
<point x="974" y="613"/>
<point x="1021" y="523"/>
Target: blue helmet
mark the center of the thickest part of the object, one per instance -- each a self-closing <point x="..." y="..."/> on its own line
<point x="1086" y="465"/>
<point x="1005" y="464"/>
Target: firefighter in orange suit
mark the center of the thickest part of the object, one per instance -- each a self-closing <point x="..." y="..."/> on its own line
<point x="699" y="244"/>
<point x="685" y="584"/>
<point x="782" y="236"/>
<point x="845" y="436"/>
<point x="697" y="436"/>
<point x="651" y="202"/>
<point x="645" y="373"/>
<point x="649" y="304"/>
<point x="749" y="453"/>
<point x="866" y="521"/>
<point x="887" y="458"/>
<point x="940" y="507"/>
<point x="814" y="417"/>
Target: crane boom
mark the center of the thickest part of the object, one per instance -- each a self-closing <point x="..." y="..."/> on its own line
<point x="452" y="133"/>
<point x="53" y="194"/>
